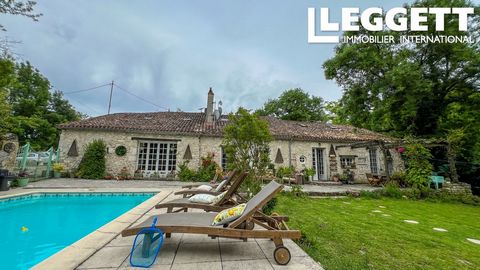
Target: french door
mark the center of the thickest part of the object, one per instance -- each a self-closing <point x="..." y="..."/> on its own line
<point x="318" y="163"/>
<point x="158" y="157"/>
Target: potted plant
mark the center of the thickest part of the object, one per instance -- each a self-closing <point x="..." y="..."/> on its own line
<point x="23" y="178"/>
<point x="58" y="169"/>
<point x="309" y="173"/>
<point x="336" y="177"/>
<point x="347" y="177"/>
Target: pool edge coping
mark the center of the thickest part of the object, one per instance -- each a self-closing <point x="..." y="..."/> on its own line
<point x="78" y="252"/>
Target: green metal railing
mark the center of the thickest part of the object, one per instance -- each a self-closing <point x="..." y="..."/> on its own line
<point x="38" y="167"/>
<point x="25" y="150"/>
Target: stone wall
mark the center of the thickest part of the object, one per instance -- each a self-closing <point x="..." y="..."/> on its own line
<point x="8" y="152"/>
<point x="293" y="150"/>
<point x="457" y="188"/>
<point x="115" y="163"/>
<point x="200" y="146"/>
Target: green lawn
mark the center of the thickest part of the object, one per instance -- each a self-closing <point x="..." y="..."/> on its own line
<point x="346" y="234"/>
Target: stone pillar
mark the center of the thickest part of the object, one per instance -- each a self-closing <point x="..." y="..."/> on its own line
<point x="332" y="157"/>
<point x="8" y="151"/>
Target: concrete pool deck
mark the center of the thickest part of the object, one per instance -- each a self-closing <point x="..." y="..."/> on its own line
<point x="187" y="251"/>
<point x="104" y="248"/>
<point x="60" y="183"/>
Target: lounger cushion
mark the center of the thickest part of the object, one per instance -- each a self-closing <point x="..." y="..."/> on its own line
<point x="202" y="198"/>
<point x="204" y="187"/>
<point x="220" y="186"/>
<point x="229" y="214"/>
<point x="207" y="198"/>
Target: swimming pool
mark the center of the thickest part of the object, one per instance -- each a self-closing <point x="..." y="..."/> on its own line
<point x="33" y="227"/>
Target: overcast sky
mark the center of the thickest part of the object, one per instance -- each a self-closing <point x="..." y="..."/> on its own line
<point x="171" y="52"/>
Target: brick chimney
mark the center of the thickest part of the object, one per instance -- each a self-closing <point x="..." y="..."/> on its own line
<point x="209" y="112"/>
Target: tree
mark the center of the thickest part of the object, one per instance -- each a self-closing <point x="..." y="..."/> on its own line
<point x="295" y="104"/>
<point x="30" y="110"/>
<point x="31" y="92"/>
<point x="6" y="80"/>
<point x="246" y="144"/>
<point x="411" y="89"/>
<point x="14" y="7"/>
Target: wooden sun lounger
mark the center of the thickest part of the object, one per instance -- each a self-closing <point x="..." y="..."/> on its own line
<point x="229" y="176"/>
<point x="227" y="185"/>
<point x="242" y="228"/>
<point x="183" y="204"/>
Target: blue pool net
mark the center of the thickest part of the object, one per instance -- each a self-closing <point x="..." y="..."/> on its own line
<point x="146" y="246"/>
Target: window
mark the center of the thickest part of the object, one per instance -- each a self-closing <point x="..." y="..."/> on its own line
<point x="302" y="159"/>
<point x="373" y="160"/>
<point x="224" y="160"/>
<point x="157" y="156"/>
<point x="347" y="162"/>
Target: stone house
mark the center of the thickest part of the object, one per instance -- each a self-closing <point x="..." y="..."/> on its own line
<point x="157" y="142"/>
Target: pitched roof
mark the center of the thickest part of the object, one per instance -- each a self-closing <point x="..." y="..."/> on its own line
<point x="186" y="123"/>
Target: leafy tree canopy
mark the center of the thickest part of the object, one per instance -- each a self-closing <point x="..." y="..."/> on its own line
<point x="295" y="104"/>
<point x="29" y="108"/>
<point x="15" y="7"/>
<point x="413" y="89"/>
<point x="6" y="80"/>
<point x="245" y="141"/>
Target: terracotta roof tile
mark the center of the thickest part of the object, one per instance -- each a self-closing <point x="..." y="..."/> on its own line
<point x="185" y="123"/>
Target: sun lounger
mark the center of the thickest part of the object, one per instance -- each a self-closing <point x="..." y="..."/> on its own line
<point x="225" y="185"/>
<point x="213" y="185"/>
<point x="230" y="198"/>
<point x="221" y="187"/>
<point x="242" y="227"/>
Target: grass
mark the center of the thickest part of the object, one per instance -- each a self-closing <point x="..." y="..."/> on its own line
<point x="346" y="234"/>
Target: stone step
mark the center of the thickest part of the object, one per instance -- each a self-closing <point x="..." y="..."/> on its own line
<point x="325" y="183"/>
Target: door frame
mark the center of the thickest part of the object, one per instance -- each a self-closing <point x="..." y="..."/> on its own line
<point x="315" y="164"/>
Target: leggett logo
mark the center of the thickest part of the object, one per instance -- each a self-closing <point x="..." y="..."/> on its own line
<point x="372" y="19"/>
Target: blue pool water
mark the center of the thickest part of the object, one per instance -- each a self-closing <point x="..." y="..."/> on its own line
<point x="33" y="227"/>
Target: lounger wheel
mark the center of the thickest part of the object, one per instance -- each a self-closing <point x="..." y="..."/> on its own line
<point x="282" y="255"/>
<point x="249" y="225"/>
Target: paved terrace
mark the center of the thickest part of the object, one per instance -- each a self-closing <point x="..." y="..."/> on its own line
<point x="315" y="190"/>
<point x="187" y="251"/>
<point x="182" y="251"/>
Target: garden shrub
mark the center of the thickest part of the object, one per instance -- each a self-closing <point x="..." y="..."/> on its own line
<point x="446" y="196"/>
<point x="399" y="178"/>
<point x="185" y="173"/>
<point x="285" y="172"/>
<point x="424" y="193"/>
<point x="418" y="165"/>
<point x="92" y="165"/>
<point x="269" y="206"/>
<point x="392" y="190"/>
<point x="205" y="173"/>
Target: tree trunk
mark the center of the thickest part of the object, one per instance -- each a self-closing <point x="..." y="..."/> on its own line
<point x="451" y="155"/>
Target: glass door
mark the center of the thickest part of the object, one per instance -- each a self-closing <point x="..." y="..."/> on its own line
<point x="318" y="163"/>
